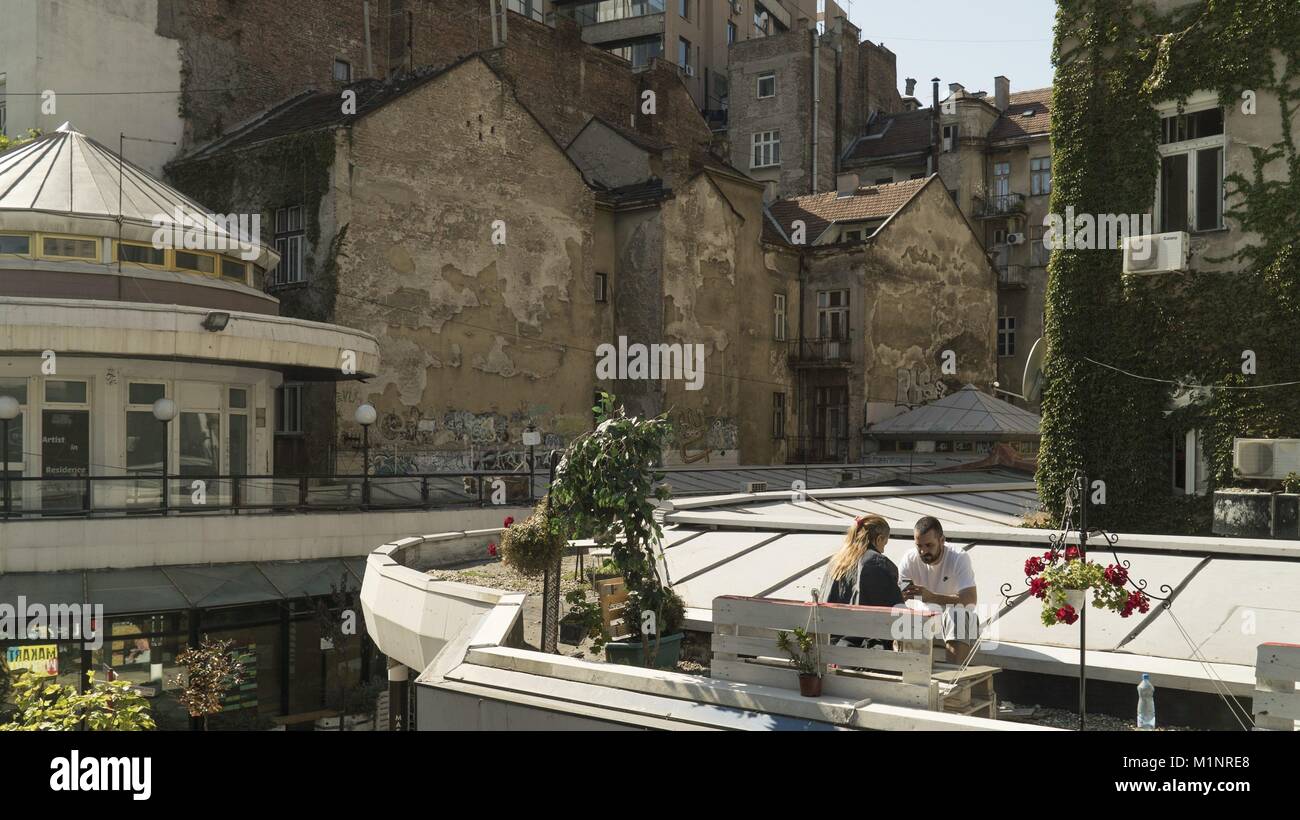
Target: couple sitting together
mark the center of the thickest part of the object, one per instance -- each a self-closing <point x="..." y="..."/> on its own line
<point x="940" y="577"/>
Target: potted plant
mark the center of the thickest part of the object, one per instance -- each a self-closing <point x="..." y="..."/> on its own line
<point x="802" y="649"/>
<point x="671" y="614"/>
<point x="1062" y="581"/>
<point x="534" y="545"/>
<point x="582" y="621"/>
<point x="605" y="489"/>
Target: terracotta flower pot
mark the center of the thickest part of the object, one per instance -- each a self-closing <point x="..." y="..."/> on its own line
<point x="810" y="686"/>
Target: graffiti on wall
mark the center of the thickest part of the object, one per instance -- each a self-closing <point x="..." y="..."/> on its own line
<point x="918" y="385"/>
<point x="697" y="434"/>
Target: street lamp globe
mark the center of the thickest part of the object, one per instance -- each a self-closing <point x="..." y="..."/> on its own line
<point x="164" y="410"/>
<point x="366" y="415"/>
<point x="8" y="408"/>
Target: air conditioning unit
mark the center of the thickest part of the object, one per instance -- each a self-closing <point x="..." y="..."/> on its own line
<point x="1266" y="457"/>
<point x="1015" y="239"/>
<point x="756" y="487"/>
<point x="690" y="70"/>
<point x="1157" y="253"/>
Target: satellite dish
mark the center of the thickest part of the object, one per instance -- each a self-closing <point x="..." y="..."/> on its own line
<point x="1032" y="384"/>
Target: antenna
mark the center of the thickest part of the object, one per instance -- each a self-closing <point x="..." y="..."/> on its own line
<point x="121" y="149"/>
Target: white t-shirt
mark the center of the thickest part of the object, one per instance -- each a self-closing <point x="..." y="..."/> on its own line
<point x="949" y="576"/>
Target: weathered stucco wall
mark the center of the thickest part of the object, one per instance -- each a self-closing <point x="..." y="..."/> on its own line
<point x="476" y="339"/>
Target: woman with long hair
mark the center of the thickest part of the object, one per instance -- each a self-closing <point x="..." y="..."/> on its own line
<point x="860" y="573"/>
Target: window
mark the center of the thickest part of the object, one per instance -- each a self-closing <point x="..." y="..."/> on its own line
<point x="146" y="439"/>
<point x="69" y="248"/>
<point x="141" y="254"/>
<point x="833" y="314"/>
<point x="885" y="181"/>
<point x="16" y="244"/>
<point x="1041" y="254"/>
<point x="197" y="262"/>
<point x="289" y="413"/>
<point x="17" y="388"/>
<point x="602" y="287"/>
<point x="1001" y="179"/>
<point x="145" y="393"/>
<point x="760" y="21"/>
<point x="778" y="415"/>
<point x="767" y="85"/>
<point x="640" y="52"/>
<point x="1190" y="193"/>
<point x="999" y="236"/>
<point x="684" y="9"/>
<point x="234" y="271"/>
<point x="778" y="316"/>
<point x="238" y="452"/>
<point x="342" y="71"/>
<point x="854" y="235"/>
<point x="949" y="138"/>
<point x="289" y="235"/>
<point x="683" y="52"/>
<point x="65" y="392"/>
<point x="731" y="33"/>
<point x="1040" y="176"/>
<point x="1006" y="336"/>
<point x="767" y="149"/>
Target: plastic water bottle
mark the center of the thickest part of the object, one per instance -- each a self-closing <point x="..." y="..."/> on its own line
<point x="1146" y="703"/>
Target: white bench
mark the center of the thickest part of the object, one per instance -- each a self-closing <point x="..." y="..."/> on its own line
<point x="745" y="651"/>
<point x="1277" y="702"/>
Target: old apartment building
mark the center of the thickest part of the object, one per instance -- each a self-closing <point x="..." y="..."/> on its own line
<point x="995" y="157"/>
<point x="490" y="293"/>
<point x="896" y="307"/>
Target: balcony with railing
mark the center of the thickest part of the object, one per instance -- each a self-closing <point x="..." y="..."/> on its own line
<point x="992" y="206"/>
<point x="1011" y="277"/>
<point x="817" y="449"/>
<point x="827" y="352"/>
<point x="608" y="11"/>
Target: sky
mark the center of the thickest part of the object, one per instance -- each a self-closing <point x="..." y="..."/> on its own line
<point x="964" y="41"/>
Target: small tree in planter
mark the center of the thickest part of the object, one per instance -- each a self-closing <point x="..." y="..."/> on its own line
<point x="604" y="487"/>
<point x="211" y="670"/>
<point x="802" y="649"/>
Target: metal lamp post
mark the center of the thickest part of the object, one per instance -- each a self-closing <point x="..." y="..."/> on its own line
<point x="8" y="412"/>
<point x="365" y="416"/>
<point x="164" y="410"/>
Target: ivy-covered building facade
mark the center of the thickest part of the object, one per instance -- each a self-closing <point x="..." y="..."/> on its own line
<point x="1186" y="111"/>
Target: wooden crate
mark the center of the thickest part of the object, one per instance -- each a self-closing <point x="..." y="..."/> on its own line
<point x="966" y="692"/>
<point x="612" y="594"/>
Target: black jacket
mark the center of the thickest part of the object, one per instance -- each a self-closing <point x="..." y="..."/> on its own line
<point x="874" y="582"/>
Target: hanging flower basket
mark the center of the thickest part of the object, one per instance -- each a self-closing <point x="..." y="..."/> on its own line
<point x="1062" y="581"/>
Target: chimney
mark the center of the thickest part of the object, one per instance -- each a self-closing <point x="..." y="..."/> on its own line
<point x="1001" y="92"/>
<point x="935" y="83"/>
<point x="911" y="86"/>
<point x="846" y="184"/>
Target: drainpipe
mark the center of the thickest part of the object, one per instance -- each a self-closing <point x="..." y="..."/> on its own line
<point x="839" y="98"/>
<point x="370" y="62"/>
<point x="817" y="98"/>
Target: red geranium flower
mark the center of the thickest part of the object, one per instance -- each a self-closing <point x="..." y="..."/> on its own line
<point x="1038" y="587"/>
<point x="510" y="519"/>
<point x="1116" y="575"/>
<point x="1050" y="556"/>
<point x="1067" y="614"/>
<point x="1071" y="553"/>
<point x="1034" y="565"/>
<point x="492" y="549"/>
<point x="1137" y="599"/>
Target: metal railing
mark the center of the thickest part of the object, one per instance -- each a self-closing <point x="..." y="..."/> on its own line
<point x="1011" y="276"/>
<point x="986" y="205"/>
<point x="144" y="495"/>
<point x="837" y="350"/>
<point x="818" y="449"/>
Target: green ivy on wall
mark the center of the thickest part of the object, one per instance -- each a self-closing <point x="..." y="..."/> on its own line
<point x="1116" y="59"/>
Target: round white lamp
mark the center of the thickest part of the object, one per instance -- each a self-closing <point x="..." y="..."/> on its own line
<point x="164" y="410"/>
<point x="8" y="408"/>
<point x="366" y="415"/>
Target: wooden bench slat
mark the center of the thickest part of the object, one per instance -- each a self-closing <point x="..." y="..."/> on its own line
<point x="831" y="619"/>
<point x="896" y="693"/>
<point x="915" y="667"/>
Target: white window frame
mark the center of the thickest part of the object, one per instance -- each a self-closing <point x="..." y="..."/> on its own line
<point x="765" y="149"/>
<point x="758" y="85"/>
<point x="1001" y="179"/>
<point x="1201" y="101"/>
<point x="950" y="138"/>
<point x="826" y="313"/>
<point x="1006" y="347"/>
<point x="778" y="317"/>
<point x="1040" y="176"/>
<point x="334" y="70"/>
<point x="602" y="287"/>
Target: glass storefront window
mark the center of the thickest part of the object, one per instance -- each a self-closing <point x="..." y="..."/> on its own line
<point x="65" y="392"/>
<point x="55" y="661"/>
<point x="65" y="453"/>
<point x="134" y="652"/>
<point x="200" y="440"/>
<point x="238" y="444"/>
<point x="144" y="393"/>
<point x="257" y="698"/>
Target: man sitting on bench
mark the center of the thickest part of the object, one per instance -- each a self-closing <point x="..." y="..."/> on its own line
<point x="943" y="577"/>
